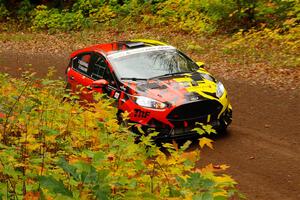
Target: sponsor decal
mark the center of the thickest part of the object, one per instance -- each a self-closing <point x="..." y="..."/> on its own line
<point x="185" y="84"/>
<point x="139" y="50"/>
<point x="123" y="88"/>
<point x="117" y="94"/>
<point x="83" y="64"/>
<point x="82" y="68"/>
<point x="141" y="114"/>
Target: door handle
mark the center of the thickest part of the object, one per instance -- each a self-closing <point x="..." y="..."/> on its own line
<point x="72" y="78"/>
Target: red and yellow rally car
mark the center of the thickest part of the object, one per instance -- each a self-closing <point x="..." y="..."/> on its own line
<point x="159" y="86"/>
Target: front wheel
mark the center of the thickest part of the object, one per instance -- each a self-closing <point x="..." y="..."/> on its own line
<point x="222" y="129"/>
<point x="121" y="120"/>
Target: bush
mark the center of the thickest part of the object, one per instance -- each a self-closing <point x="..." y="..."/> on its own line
<point x="55" y="20"/>
<point x="4" y="13"/>
<point x="181" y="15"/>
<point x="24" y="11"/>
<point x="206" y="16"/>
<point x="58" y="149"/>
<point x="257" y="44"/>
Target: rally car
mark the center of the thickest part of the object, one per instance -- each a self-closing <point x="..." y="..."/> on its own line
<point x="160" y="87"/>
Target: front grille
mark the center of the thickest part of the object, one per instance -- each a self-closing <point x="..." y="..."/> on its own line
<point x="195" y="110"/>
<point x="185" y="118"/>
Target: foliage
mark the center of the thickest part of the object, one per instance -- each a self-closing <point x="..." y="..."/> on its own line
<point x="62" y="150"/>
<point x="206" y="16"/>
<point x="258" y="44"/>
<point x="54" y="20"/>
<point x="183" y="15"/>
<point x="24" y="11"/>
<point x="4" y="13"/>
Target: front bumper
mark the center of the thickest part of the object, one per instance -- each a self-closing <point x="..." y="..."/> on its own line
<point x="184" y="129"/>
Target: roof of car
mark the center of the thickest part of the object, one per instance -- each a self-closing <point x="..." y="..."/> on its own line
<point x="109" y="48"/>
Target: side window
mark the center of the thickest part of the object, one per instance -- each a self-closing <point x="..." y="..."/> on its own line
<point x="109" y="77"/>
<point x="99" y="68"/>
<point x="81" y="63"/>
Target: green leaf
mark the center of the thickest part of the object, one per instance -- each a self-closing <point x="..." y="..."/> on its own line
<point x="148" y="196"/>
<point x="42" y="195"/>
<point x="180" y="180"/>
<point x="102" y="191"/>
<point x="91" y="176"/>
<point x="209" y="129"/>
<point x="139" y="165"/>
<point x="99" y="156"/>
<point x="101" y="194"/>
<point x="220" y="198"/>
<point x="132" y="184"/>
<point x="196" y="181"/>
<point x="49" y="131"/>
<point x="102" y="174"/>
<point x="186" y="145"/>
<point x="10" y="171"/>
<point x="203" y="196"/>
<point x="68" y="168"/>
<point x="35" y="100"/>
<point x="200" y="131"/>
<point x="54" y="186"/>
<point x="29" y="108"/>
<point x="173" y="192"/>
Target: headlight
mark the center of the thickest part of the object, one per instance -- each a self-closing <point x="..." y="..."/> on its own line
<point x="220" y="89"/>
<point x="149" y="103"/>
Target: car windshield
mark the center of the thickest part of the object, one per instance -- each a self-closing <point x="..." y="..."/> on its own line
<point x="151" y="62"/>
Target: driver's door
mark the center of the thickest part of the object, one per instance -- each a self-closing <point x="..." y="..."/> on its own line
<point x="100" y="70"/>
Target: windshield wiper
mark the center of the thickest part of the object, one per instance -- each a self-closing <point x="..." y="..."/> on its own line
<point x="169" y="74"/>
<point x="134" y="79"/>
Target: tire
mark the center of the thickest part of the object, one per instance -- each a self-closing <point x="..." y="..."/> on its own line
<point x="120" y="119"/>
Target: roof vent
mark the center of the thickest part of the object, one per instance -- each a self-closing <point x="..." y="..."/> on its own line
<point x="133" y="44"/>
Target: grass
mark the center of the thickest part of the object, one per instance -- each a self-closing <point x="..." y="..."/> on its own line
<point x="17" y="37"/>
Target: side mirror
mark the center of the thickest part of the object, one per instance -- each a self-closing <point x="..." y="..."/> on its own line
<point x="200" y="64"/>
<point x="99" y="83"/>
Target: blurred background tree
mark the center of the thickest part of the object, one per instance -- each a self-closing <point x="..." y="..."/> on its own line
<point x="208" y="16"/>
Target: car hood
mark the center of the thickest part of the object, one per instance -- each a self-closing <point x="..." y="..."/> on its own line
<point x="178" y="89"/>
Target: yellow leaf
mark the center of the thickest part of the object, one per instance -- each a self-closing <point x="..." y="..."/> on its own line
<point x="208" y="168"/>
<point x="222" y="193"/>
<point x="205" y="141"/>
<point x="20" y="165"/>
<point x="192" y="156"/>
<point x="224" y="179"/>
<point x="224" y="167"/>
<point x="209" y="129"/>
<point x="175" y="145"/>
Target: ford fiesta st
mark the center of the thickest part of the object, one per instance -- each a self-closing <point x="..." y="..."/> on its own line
<point x="159" y="86"/>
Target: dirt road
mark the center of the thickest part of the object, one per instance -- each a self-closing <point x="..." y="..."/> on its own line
<point x="263" y="143"/>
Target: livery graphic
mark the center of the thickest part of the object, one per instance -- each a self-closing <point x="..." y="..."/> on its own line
<point x="160" y="87"/>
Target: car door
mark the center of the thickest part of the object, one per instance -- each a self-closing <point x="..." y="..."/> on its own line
<point x="79" y="76"/>
<point x="100" y="69"/>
